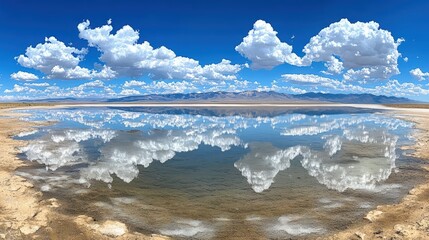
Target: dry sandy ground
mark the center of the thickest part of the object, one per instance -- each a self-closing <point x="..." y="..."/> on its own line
<point x="25" y="215"/>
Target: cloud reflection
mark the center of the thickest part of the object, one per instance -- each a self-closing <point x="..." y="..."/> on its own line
<point x="358" y="159"/>
<point x="352" y="151"/>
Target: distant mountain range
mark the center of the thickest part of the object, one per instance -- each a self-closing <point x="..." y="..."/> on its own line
<point x="262" y="97"/>
<point x="245" y="97"/>
<point x="354" y="98"/>
<point x="214" y="97"/>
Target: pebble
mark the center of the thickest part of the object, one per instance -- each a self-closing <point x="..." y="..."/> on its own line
<point x="373" y="215"/>
<point x="29" y="229"/>
<point x="112" y="228"/>
<point x="360" y="235"/>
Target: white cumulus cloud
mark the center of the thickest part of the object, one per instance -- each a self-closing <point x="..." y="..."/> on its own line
<point x="122" y="52"/>
<point x="362" y="49"/>
<point x="45" y="56"/>
<point x="394" y="87"/>
<point x="419" y="74"/>
<point x="21" y="89"/>
<point x="45" y="84"/>
<point x="170" y="87"/>
<point x="58" y="61"/>
<point x="389" y="88"/>
<point x="310" y="79"/>
<point x="264" y="48"/>
<point x="23" y="76"/>
<point x="133" y="83"/>
<point x="93" y="84"/>
<point x="129" y="92"/>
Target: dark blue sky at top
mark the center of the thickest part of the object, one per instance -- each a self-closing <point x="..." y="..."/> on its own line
<point x="204" y="29"/>
<point x="207" y="31"/>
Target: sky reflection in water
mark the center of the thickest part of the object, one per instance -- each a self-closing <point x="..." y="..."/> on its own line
<point x="341" y="149"/>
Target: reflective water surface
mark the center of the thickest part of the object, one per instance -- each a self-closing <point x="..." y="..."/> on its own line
<point x="216" y="173"/>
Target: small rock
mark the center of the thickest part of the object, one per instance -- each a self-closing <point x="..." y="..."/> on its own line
<point x="28" y="184"/>
<point x="360" y="235"/>
<point x="45" y="188"/>
<point x="14" y="187"/>
<point x="108" y="228"/>
<point x="424" y="224"/>
<point x="414" y="191"/>
<point x="373" y="215"/>
<point x="54" y="203"/>
<point x="29" y="229"/>
<point x="399" y="229"/>
<point x="113" y="228"/>
<point x="7" y="224"/>
<point x="42" y="217"/>
<point x="83" y="220"/>
<point x="407" y="231"/>
<point x="410" y="198"/>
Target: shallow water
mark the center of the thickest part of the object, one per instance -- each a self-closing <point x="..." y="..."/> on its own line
<point x="221" y="172"/>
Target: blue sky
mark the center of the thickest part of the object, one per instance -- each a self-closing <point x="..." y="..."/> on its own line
<point x="375" y="47"/>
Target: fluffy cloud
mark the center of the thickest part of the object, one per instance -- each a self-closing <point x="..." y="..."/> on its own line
<point x="134" y="83"/>
<point x="390" y="88"/>
<point x="95" y="88"/>
<point x="170" y="87"/>
<point x="21" y="89"/>
<point x="315" y="82"/>
<point x="297" y="84"/>
<point x="360" y="51"/>
<point x="276" y="88"/>
<point x="394" y="87"/>
<point x="134" y="87"/>
<point x="264" y="48"/>
<point x="334" y="66"/>
<point x="123" y="56"/>
<point x="52" y="53"/>
<point x="23" y="76"/>
<point x="58" y="61"/>
<point x="129" y="92"/>
<point x="99" y="89"/>
<point x="363" y="49"/>
<point x="310" y="79"/>
<point x="37" y="84"/>
<point x="419" y="74"/>
<point x="93" y="84"/>
<point x="122" y="52"/>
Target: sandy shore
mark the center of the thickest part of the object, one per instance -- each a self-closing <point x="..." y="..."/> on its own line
<point x="25" y="215"/>
<point x="22" y="210"/>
